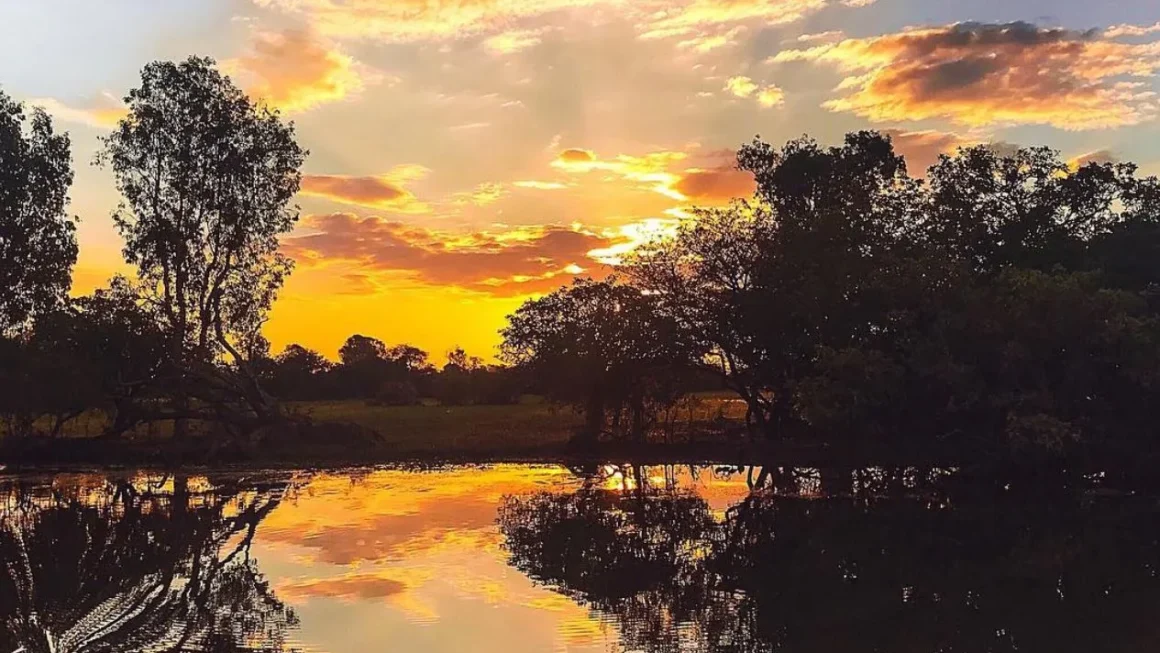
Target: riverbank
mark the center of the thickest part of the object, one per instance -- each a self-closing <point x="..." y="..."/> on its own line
<point x="335" y="434"/>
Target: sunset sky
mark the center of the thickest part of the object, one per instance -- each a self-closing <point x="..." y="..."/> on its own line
<point x="468" y="153"/>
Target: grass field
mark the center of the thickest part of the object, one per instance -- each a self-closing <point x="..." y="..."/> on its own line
<point x="462" y="430"/>
<point x="531" y="428"/>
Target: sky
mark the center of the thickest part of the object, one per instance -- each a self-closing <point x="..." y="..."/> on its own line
<point x="468" y="154"/>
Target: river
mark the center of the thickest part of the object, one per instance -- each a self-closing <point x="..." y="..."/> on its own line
<point x="542" y="558"/>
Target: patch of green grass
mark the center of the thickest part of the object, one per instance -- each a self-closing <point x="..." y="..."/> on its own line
<point x="533" y="426"/>
<point x="453" y="429"/>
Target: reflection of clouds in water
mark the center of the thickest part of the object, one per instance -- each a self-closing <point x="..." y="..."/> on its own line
<point x="417" y="557"/>
<point x="402" y="551"/>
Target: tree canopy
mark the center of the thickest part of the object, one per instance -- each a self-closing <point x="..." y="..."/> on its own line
<point x="37" y="236"/>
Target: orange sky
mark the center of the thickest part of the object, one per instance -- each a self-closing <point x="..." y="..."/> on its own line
<point x="466" y="155"/>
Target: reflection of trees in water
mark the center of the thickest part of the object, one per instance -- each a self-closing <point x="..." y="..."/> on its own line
<point x="133" y="567"/>
<point x="895" y="572"/>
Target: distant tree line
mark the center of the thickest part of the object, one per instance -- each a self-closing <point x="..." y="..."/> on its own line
<point x="1005" y="303"/>
<point x="401" y="375"/>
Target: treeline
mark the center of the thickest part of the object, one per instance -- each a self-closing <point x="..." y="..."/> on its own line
<point x="401" y="375"/>
<point x="1007" y="303"/>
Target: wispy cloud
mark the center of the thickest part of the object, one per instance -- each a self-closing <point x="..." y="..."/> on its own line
<point x="385" y="192"/>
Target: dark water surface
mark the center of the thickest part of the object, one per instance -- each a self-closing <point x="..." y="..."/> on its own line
<point x="525" y="558"/>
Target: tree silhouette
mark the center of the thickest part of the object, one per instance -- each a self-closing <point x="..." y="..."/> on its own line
<point x="207" y="177"/>
<point x="37" y="237"/>
<point x="603" y="346"/>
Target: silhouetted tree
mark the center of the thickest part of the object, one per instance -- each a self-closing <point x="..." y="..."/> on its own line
<point x="298" y="373"/>
<point x="603" y="346"/>
<point x="206" y="176"/>
<point x="37" y="237"/>
<point x="849" y="300"/>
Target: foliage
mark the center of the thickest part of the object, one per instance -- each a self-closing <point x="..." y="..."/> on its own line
<point x="37" y="237"/>
<point x="1006" y="302"/>
<point x="206" y="176"/>
<point x="602" y="346"/>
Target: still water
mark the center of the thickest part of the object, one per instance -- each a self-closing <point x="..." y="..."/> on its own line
<point x="520" y="558"/>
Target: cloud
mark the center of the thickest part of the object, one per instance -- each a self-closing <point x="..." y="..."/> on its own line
<point x="708" y="42"/>
<point x="740" y="86"/>
<point x="664" y="20"/>
<point x="744" y="87"/>
<point x="104" y="112"/>
<point x="483" y="194"/>
<point x="771" y="96"/>
<point x="922" y="148"/>
<point x="513" y="41"/>
<point x="833" y="35"/>
<point x="295" y="70"/>
<point x="409" y="21"/>
<point x="981" y="74"/>
<point x="540" y="185"/>
<point x="576" y="156"/>
<point x="503" y="263"/>
<point x="385" y="192"/>
<point x="650" y="170"/>
<point x="1116" y="31"/>
<point x="1098" y="156"/>
<point x="716" y="185"/>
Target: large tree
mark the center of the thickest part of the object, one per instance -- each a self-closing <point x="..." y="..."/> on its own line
<point x="207" y="178"/>
<point x="37" y="237"/>
<point x="849" y="299"/>
<point x="604" y="347"/>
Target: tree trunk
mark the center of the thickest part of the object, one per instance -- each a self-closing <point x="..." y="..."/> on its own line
<point x="593" y="418"/>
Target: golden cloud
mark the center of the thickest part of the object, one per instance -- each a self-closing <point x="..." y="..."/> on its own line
<point x="708" y="42"/>
<point x="409" y="20"/>
<point x="979" y="74"/>
<point x="1098" y="156"/>
<point x="698" y="21"/>
<point x="740" y="86"/>
<point x="483" y="194"/>
<point x="650" y="170"/>
<point x="104" y="112"/>
<point x="513" y="41"/>
<point x="505" y="263"/>
<point x="540" y="185"/>
<point x="384" y="192"/>
<point x="717" y="185"/>
<point x="744" y="87"/>
<point x="664" y="20"/>
<point x="295" y="70"/>
<point x="576" y="156"/>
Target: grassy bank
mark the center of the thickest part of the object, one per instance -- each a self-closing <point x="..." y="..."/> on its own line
<point x="354" y="431"/>
<point x="451" y="430"/>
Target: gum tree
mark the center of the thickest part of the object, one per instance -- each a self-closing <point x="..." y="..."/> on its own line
<point x="207" y="177"/>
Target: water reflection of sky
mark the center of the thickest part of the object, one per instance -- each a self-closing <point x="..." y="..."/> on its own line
<point x="398" y="560"/>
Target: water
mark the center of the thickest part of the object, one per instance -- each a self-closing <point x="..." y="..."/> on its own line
<point x="519" y="558"/>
